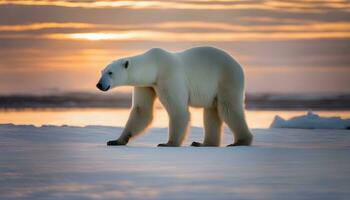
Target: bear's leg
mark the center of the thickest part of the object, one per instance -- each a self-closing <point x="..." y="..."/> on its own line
<point x="212" y="128"/>
<point x="233" y="115"/>
<point x="178" y="127"/>
<point x="175" y="103"/>
<point x="140" y="116"/>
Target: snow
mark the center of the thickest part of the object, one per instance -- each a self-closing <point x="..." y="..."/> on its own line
<point x="65" y="162"/>
<point x="311" y="121"/>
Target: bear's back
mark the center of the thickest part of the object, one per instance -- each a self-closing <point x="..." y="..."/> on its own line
<point x="205" y="68"/>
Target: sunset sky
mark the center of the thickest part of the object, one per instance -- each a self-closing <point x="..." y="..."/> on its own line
<point x="297" y="46"/>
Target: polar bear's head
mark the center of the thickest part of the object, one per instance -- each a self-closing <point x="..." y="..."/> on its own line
<point x="114" y="74"/>
<point x="132" y="71"/>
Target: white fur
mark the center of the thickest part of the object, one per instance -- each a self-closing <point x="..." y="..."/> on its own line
<point x="200" y="77"/>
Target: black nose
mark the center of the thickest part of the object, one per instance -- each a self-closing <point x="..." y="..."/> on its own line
<point x="99" y="86"/>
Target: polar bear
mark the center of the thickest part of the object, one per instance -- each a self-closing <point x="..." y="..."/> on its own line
<point x="204" y="77"/>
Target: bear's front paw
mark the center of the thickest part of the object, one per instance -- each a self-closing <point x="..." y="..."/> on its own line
<point x="115" y="143"/>
<point x="196" y="144"/>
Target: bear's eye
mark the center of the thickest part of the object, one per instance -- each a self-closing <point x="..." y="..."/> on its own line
<point x="110" y="73"/>
<point x="126" y="64"/>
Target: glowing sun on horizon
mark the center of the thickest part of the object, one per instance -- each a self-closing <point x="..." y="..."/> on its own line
<point x="123" y="35"/>
<point x="98" y="36"/>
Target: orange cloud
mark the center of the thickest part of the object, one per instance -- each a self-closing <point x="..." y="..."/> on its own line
<point x="197" y="37"/>
<point x="38" y="26"/>
<point x="292" y="6"/>
<point x="192" y="31"/>
<point x="191" y="25"/>
<point x="316" y="26"/>
<point x="137" y="4"/>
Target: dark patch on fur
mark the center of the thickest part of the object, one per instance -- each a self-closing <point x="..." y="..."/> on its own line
<point x="215" y="101"/>
<point x="138" y="109"/>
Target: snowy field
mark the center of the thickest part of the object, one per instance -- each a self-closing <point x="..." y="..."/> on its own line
<point x="61" y="162"/>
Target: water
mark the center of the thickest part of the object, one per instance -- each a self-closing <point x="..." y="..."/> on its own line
<point x="119" y="116"/>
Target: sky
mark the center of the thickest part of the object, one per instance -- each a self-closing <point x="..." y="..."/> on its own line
<point x="297" y="46"/>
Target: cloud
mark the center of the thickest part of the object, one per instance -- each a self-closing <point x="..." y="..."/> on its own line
<point x="39" y="26"/>
<point x="190" y="31"/>
<point x="161" y="36"/>
<point x="59" y="38"/>
<point x="274" y="5"/>
<point x="195" y="37"/>
<point x="176" y="25"/>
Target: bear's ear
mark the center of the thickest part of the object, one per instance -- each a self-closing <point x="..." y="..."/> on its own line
<point x="126" y="64"/>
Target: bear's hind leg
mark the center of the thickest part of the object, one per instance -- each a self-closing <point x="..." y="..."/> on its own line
<point x="233" y="115"/>
<point x="212" y="128"/>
